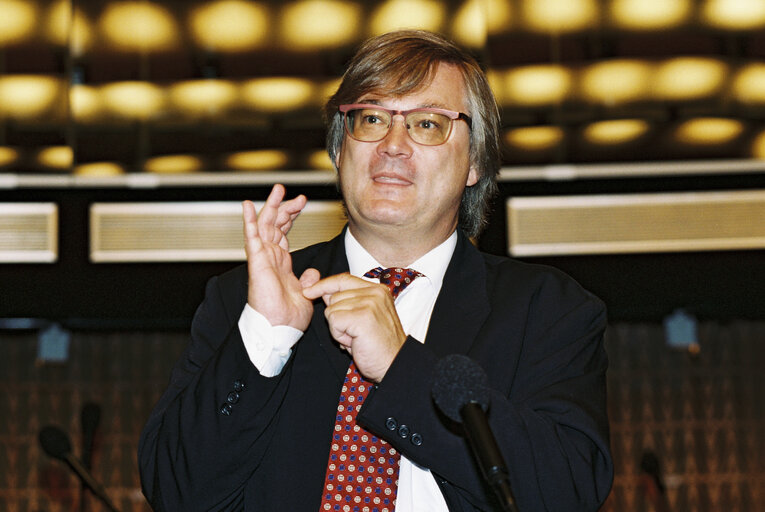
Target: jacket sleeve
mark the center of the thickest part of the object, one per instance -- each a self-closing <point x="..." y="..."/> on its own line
<point x="212" y="425"/>
<point x="546" y="365"/>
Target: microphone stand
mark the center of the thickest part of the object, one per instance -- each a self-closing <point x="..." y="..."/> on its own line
<point x="486" y="450"/>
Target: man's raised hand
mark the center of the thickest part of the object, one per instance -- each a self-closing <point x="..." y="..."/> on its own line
<point x="273" y="289"/>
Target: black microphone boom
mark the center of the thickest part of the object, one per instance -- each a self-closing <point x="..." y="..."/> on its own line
<point x="56" y="443"/>
<point x="89" y="418"/>
<point x="461" y="392"/>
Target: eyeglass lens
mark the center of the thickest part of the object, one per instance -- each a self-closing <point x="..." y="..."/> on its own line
<point x="424" y="127"/>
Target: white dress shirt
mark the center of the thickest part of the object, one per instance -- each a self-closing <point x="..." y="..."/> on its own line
<point x="269" y="348"/>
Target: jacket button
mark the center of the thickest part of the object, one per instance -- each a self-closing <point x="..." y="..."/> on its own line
<point x="403" y="431"/>
<point x="238" y="385"/>
<point x="232" y="397"/>
<point x="225" y="409"/>
<point x="391" y="424"/>
<point x="416" y="439"/>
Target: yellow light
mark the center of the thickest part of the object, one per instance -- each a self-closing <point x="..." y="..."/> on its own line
<point x="203" y="96"/>
<point x="326" y="90"/>
<point x="28" y="96"/>
<point x="311" y="24"/>
<point x="650" y="14"/>
<point x="277" y="94"/>
<point x="709" y="130"/>
<point x="616" y="81"/>
<point x="686" y="78"/>
<point x="172" y="164"/>
<point x="57" y="157"/>
<point x="133" y="100"/>
<point x="499" y="15"/>
<point x="558" y="16"/>
<point x="230" y="25"/>
<point x="758" y="146"/>
<point x="537" y="85"/>
<point x="139" y="25"/>
<point x="496" y="81"/>
<point x="534" y="138"/>
<point x="617" y="131"/>
<point x="320" y="160"/>
<point x="85" y="102"/>
<point x="400" y="14"/>
<point x="469" y="25"/>
<point x="734" y="14"/>
<point x="67" y="25"/>
<point x="17" y="20"/>
<point x="99" y="169"/>
<point x="58" y="25"/>
<point x="8" y="155"/>
<point x="81" y="38"/>
<point x="749" y="83"/>
<point x="259" y="160"/>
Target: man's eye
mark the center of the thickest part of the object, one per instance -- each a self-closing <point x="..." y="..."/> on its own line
<point x="428" y="124"/>
<point x="372" y="119"/>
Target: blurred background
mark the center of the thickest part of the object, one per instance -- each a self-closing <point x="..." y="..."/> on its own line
<point x="633" y="137"/>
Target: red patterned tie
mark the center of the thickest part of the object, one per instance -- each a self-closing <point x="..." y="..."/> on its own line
<point x="395" y="278"/>
<point x="362" y="472"/>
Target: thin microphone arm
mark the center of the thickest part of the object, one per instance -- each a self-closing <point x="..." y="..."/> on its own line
<point x="87" y="478"/>
<point x="486" y="450"/>
<point x="55" y="442"/>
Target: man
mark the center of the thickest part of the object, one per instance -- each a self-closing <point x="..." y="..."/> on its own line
<point x="254" y="418"/>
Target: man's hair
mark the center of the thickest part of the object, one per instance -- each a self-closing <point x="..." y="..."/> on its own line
<point x="402" y="62"/>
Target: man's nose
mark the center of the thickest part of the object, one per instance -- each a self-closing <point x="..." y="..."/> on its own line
<point x="397" y="141"/>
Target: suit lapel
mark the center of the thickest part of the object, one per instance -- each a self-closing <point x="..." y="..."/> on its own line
<point x="329" y="261"/>
<point x="462" y="305"/>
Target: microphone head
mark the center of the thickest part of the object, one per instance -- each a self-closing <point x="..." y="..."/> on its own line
<point x="458" y="381"/>
<point x="55" y="442"/>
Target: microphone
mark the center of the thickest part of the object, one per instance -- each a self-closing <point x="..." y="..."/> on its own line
<point x="461" y="392"/>
<point x="89" y="418"/>
<point x="56" y="444"/>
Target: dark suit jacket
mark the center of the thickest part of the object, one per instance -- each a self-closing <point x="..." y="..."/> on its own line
<point x="537" y="334"/>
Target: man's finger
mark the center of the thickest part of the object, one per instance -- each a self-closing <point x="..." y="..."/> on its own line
<point x="334" y="284"/>
<point x="309" y="277"/>
<point x="250" y="219"/>
<point x="270" y="209"/>
<point x="288" y="212"/>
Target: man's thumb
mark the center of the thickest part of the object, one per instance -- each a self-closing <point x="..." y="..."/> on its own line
<point x="309" y="277"/>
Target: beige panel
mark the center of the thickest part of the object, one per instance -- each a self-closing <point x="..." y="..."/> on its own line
<point x="28" y="232"/>
<point x="193" y="231"/>
<point x="634" y="223"/>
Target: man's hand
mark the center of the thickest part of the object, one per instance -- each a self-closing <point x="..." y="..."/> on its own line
<point x="273" y="289"/>
<point x="363" y="319"/>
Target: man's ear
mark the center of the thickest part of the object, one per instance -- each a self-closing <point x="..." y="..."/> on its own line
<point x="472" y="177"/>
<point x="337" y="158"/>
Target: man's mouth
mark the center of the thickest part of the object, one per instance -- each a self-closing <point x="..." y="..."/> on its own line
<point x="391" y="179"/>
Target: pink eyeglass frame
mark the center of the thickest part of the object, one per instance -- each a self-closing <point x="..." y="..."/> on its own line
<point x="451" y="114"/>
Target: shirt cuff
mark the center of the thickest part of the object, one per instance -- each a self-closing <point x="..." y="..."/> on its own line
<point x="268" y="346"/>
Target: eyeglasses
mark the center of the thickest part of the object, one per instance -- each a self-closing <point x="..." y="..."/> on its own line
<point x="427" y="126"/>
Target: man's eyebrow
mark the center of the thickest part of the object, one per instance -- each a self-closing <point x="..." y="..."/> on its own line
<point x="434" y="105"/>
<point x="421" y="105"/>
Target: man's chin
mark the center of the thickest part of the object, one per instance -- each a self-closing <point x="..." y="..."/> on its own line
<point x="385" y="213"/>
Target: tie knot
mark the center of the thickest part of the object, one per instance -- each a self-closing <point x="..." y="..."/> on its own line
<point x="396" y="279"/>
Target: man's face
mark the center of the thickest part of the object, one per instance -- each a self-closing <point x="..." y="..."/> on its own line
<point x="398" y="183"/>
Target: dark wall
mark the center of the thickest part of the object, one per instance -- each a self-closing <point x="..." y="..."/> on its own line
<point x="701" y="415"/>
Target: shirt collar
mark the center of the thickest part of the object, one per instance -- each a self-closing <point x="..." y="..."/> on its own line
<point x="433" y="263"/>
